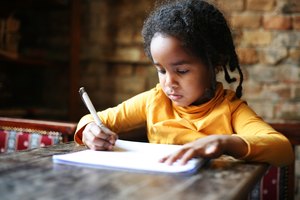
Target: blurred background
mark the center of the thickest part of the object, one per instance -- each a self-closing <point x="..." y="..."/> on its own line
<point x="50" y="48"/>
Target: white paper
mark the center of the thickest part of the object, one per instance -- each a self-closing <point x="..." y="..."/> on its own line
<point x="130" y="155"/>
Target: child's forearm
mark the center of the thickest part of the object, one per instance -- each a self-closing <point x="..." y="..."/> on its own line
<point x="235" y="146"/>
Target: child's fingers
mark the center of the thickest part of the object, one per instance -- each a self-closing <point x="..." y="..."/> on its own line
<point x="103" y="133"/>
<point x="97" y="132"/>
<point x="112" y="137"/>
<point x="211" y="149"/>
<point x="163" y="159"/>
<point x="169" y="160"/>
<point x="96" y="139"/>
<point x="100" y="145"/>
<point x="92" y="142"/>
<point x="188" y="155"/>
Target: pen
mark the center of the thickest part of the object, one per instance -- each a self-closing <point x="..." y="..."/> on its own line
<point x="86" y="100"/>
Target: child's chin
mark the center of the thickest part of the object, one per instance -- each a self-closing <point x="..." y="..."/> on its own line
<point x="176" y="103"/>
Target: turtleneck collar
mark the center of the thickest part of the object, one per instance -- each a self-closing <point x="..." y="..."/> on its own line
<point x="198" y="111"/>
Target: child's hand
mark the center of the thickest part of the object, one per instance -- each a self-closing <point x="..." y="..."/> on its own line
<point x="212" y="146"/>
<point x="94" y="138"/>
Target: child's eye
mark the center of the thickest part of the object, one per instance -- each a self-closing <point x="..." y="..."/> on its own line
<point x="161" y="71"/>
<point x="182" y="71"/>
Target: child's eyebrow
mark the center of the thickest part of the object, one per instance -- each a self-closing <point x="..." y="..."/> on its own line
<point x="180" y="62"/>
<point x="174" y="64"/>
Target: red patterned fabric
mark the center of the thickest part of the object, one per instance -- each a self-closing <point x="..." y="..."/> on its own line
<point x="3" y="140"/>
<point x="11" y="140"/>
<point x="273" y="186"/>
<point x="22" y="141"/>
<point x="270" y="184"/>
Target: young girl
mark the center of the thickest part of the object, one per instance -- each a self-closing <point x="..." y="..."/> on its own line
<point x="188" y="42"/>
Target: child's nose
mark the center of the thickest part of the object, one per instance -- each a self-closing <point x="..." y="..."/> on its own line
<point x="170" y="80"/>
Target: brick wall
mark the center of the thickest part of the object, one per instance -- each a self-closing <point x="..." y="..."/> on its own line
<point x="267" y="38"/>
<point x="114" y="66"/>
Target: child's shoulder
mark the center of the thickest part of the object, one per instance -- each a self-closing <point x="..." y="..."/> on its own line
<point x="230" y="95"/>
<point x="231" y="98"/>
<point x="226" y="93"/>
<point x="157" y="91"/>
<point x="156" y="94"/>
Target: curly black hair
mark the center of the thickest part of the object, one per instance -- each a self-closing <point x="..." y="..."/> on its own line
<point x="201" y="28"/>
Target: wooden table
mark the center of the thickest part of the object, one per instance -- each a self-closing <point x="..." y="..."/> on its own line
<point x="32" y="175"/>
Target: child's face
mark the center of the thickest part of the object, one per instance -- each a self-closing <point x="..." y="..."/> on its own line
<point x="182" y="76"/>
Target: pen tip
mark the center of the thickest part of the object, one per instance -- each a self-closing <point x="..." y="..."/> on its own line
<point x="81" y="90"/>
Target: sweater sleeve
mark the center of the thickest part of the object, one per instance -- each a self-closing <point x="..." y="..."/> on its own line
<point x="126" y="116"/>
<point x="264" y="143"/>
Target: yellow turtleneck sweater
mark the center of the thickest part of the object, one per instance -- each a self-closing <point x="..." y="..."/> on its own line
<point x="170" y="124"/>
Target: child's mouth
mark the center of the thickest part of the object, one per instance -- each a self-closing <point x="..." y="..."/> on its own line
<point x="175" y="97"/>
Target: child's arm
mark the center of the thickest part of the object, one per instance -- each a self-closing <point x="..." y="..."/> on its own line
<point x="128" y="115"/>
<point x="211" y="146"/>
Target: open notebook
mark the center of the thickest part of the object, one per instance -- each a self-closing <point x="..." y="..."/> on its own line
<point x="128" y="155"/>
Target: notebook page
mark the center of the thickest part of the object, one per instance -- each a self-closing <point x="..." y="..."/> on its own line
<point x="130" y="155"/>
